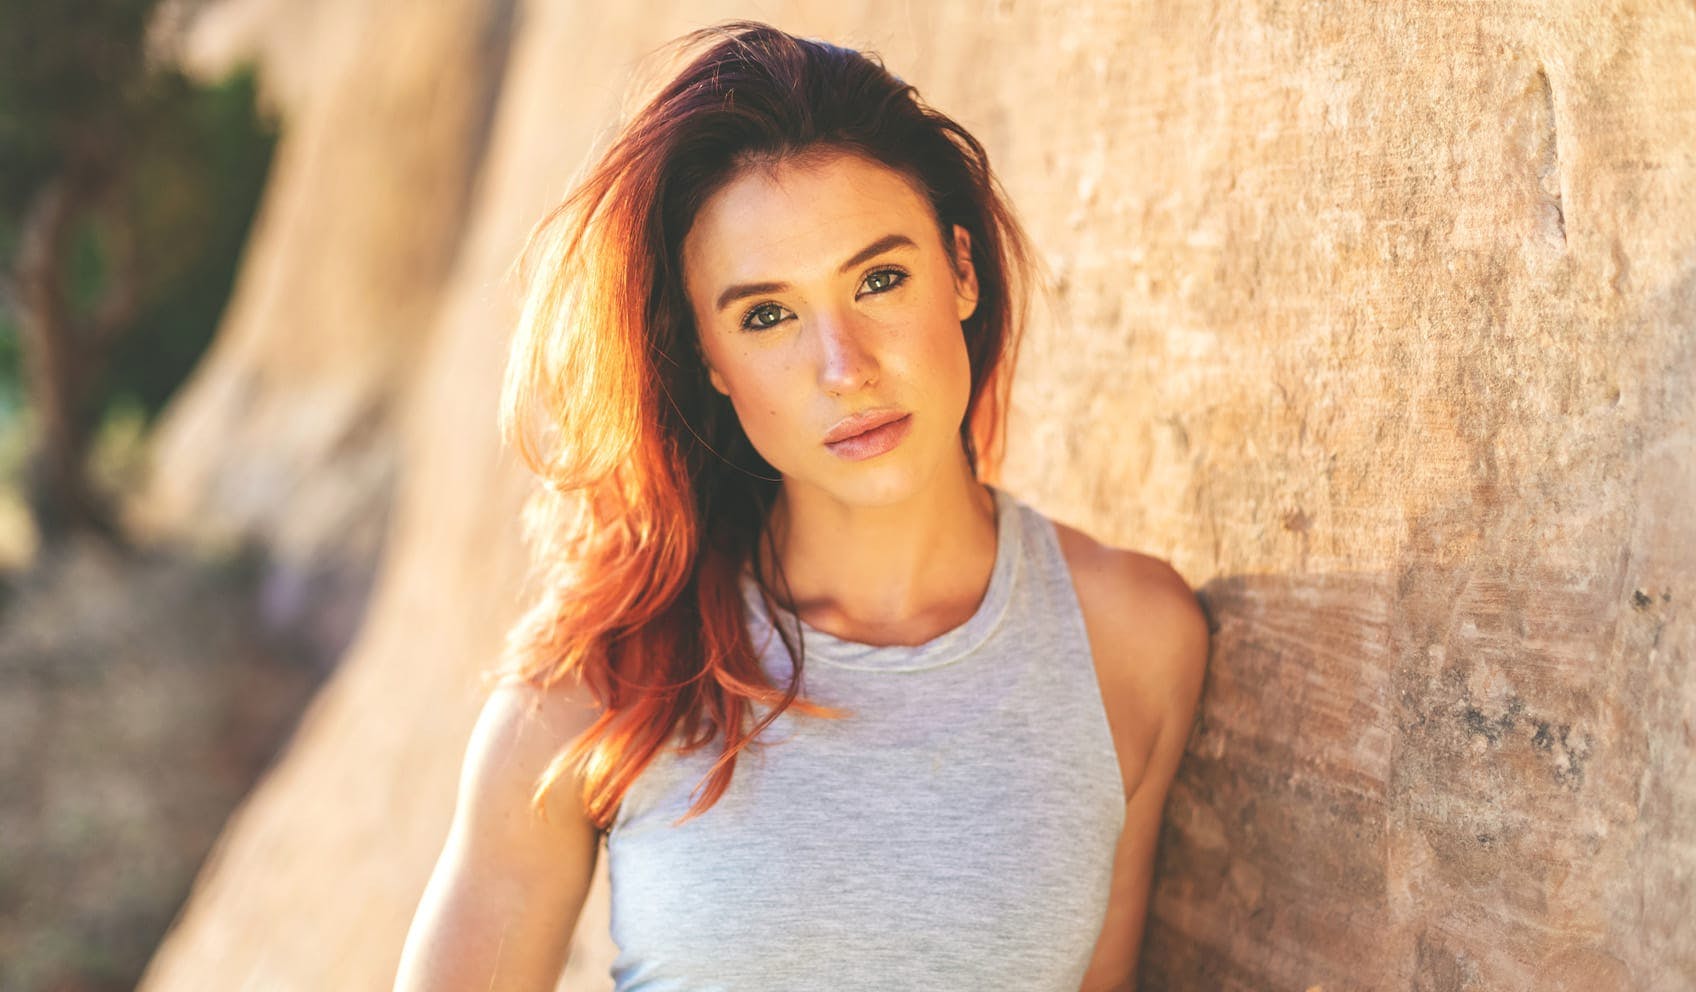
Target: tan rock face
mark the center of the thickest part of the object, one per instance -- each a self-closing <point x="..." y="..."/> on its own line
<point x="1379" y="321"/>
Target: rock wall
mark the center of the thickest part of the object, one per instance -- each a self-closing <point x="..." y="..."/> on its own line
<point x="1378" y="321"/>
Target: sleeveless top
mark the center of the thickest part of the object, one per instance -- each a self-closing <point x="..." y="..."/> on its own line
<point x="956" y="832"/>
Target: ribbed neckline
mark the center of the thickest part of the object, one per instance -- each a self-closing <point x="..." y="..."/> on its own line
<point x="943" y="649"/>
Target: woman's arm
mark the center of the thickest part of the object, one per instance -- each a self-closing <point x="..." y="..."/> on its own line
<point x="498" y="912"/>
<point x="1152" y="636"/>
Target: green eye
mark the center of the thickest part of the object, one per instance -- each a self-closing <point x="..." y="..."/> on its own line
<point x="763" y="316"/>
<point x="884" y="280"/>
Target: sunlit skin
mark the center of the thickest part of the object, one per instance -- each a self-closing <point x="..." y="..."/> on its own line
<point x="896" y="548"/>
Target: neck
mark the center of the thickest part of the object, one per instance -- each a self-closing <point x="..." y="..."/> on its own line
<point x="906" y="570"/>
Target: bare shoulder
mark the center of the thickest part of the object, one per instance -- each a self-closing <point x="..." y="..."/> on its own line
<point x="1149" y="637"/>
<point x="520" y="732"/>
<point x="503" y="901"/>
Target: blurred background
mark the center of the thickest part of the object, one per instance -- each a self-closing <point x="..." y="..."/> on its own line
<point x="1377" y="321"/>
<point x="141" y="689"/>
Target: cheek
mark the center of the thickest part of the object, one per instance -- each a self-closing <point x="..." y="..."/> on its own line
<point x="760" y="403"/>
<point x="946" y="354"/>
<point x="753" y="406"/>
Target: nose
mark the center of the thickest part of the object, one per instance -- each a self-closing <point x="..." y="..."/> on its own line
<point x="846" y="362"/>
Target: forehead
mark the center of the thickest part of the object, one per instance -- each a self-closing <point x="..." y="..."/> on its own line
<point x="800" y="217"/>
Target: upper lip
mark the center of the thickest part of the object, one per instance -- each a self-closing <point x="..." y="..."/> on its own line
<point x="861" y="422"/>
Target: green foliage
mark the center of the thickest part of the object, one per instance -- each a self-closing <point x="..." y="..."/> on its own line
<point x="11" y="398"/>
<point x="179" y="166"/>
<point x="72" y="89"/>
<point x="199" y="181"/>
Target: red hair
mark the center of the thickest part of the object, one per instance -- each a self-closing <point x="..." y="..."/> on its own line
<point x="652" y="497"/>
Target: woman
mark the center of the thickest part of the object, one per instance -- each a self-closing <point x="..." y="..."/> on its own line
<point x="846" y="716"/>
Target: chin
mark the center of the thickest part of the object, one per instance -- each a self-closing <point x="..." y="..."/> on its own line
<point x="888" y="480"/>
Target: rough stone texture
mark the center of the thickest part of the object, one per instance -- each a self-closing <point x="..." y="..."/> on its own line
<point x="1383" y="327"/>
<point x="1379" y="321"/>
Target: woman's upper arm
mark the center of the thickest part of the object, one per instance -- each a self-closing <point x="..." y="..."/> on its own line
<point x="1156" y="660"/>
<point x="500" y="906"/>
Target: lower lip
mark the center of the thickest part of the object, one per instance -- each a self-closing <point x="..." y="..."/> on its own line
<point x="873" y="442"/>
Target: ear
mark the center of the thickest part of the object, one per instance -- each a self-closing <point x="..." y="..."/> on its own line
<point x="965" y="276"/>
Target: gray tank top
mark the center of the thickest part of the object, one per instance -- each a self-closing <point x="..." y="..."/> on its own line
<point x="957" y="833"/>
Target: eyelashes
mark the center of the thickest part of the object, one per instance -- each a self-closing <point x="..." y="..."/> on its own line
<point x="761" y="316"/>
<point x="754" y="320"/>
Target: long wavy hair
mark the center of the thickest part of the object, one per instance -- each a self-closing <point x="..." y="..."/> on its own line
<point x="652" y="499"/>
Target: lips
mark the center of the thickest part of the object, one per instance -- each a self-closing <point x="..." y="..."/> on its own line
<point x="874" y="442"/>
<point x="862" y="422"/>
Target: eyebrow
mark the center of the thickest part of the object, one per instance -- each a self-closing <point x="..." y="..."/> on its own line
<point x="888" y="242"/>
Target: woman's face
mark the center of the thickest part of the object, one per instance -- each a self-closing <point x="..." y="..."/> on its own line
<point x="822" y="290"/>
